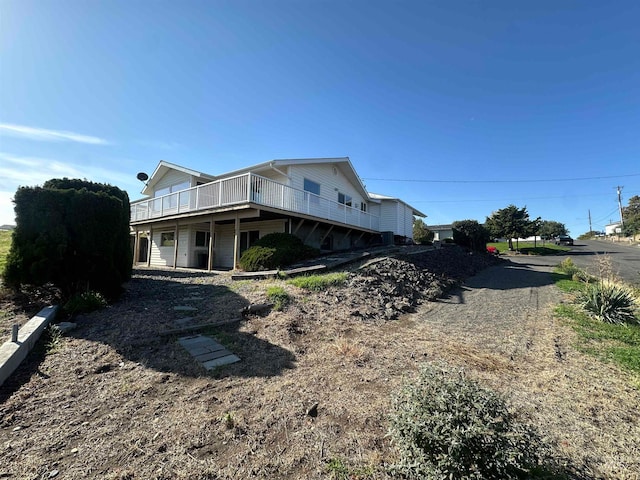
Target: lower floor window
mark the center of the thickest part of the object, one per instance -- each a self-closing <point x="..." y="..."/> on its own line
<point x="248" y="238"/>
<point x="202" y="239"/>
<point x="167" y="239"/>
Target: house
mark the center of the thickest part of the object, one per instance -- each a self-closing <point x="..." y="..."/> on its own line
<point x="193" y="219"/>
<point x="440" y="232"/>
<point x="613" y="228"/>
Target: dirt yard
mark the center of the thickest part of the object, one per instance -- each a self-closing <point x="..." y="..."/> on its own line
<point x="118" y="398"/>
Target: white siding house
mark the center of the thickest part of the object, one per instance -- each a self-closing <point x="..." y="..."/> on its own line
<point x="197" y="220"/>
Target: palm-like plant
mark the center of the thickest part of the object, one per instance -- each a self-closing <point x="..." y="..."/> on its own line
<point x="609" y="302"/>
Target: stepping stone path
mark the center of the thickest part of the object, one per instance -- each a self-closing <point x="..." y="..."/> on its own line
<point x="207" y="351"/>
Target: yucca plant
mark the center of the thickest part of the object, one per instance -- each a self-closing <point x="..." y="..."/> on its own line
<point x="609" y="302"/>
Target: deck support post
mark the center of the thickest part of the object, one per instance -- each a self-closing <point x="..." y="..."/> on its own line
<point x="212" y="231"/>
<point x="175" y="247"/>
<point x="236" y="243"/>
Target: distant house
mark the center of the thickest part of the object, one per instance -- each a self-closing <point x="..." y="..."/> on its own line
<point x="613" y="228"/>
<point x="193" y="219"/>
<point x="440" y="232"/>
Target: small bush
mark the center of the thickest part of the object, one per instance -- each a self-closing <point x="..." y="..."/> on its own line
<point x="567" y="266"/>
<point x="84" y="303"/>
<point x="275" y="250"/>
<point x="317" y="283"/>
<point x="279" y="297"/>
<point x="256" y="259"/>
<point x="609" y="302"/>
<point x="447" y="426"/>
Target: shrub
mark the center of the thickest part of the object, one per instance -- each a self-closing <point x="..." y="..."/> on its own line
<point x="470" y="234"/>
<point x="609" y="302"/>
<point x="73" y="234"/>
<point x="447" y="426"/>
<point x="279" y="297"/>
<point x="568" y="267"/>
<point x="275" y="250"/>
<point x="85" y="302"/>
<point x="258" y="258"/>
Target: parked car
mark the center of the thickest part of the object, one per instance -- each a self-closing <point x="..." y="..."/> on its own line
<point x="563" y="240"/>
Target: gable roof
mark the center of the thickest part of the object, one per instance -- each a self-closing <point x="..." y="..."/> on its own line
<point x="415" y="211"/>
<point x="343" y="163"/>
<point x="161" y="170"/>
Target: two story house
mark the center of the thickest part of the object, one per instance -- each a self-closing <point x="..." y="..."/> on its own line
<point x="197" y="220"/>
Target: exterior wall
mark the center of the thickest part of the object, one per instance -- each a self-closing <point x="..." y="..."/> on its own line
<point x="395" y="217"/>
<point x="331" y="181"/>
<point x="275" y="176"/>
<point x="389" y="217"/>
<point x="163" y="256"/>
<point x="172" y="177"/>
<point x="225" y="237"/>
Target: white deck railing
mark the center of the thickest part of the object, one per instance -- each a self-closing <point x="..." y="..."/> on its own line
<point x="251" y="188"/>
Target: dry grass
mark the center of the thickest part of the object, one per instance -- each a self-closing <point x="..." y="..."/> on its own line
<point x="117" y="401"/>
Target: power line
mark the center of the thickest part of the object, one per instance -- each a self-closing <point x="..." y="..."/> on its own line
<point x="510" y="199"/>
<point x="415" y="180"/>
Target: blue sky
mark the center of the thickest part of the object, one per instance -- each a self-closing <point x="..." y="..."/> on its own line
<point x="458" y="107"/>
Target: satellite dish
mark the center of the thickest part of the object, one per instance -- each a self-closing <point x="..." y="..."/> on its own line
<point x="143" y="177"/>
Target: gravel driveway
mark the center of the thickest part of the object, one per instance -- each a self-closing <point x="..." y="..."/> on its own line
<point x="500" y="326"/>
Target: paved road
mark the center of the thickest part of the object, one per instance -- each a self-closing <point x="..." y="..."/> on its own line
<point x="624" y="258"/>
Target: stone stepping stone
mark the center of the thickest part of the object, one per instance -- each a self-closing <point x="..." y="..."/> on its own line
<point x="183" y="322"/>
<point x="184" y="308"/>
<point x="207" y="351"/>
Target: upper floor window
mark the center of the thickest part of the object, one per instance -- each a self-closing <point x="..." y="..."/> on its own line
<point x="363" y="207"/>
<point x="171" y="189"/>
<point x="311" y="186"/>
<point x="344" y="199"/>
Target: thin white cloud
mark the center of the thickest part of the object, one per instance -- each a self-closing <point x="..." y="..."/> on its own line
<point x="43" y="134"/>
<point x="18" y="170"/>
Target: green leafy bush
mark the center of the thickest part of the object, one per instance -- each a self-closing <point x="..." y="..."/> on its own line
<point x="275" y="250"/>
<point x="568" y="267"/>
<point x="609" y="302"/>
<point x="85" y="302"/>
<point x="258" y="258"/>
<point x="447" y="426"/>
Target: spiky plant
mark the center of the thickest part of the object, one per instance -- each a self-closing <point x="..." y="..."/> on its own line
<point x="609" y="302"/>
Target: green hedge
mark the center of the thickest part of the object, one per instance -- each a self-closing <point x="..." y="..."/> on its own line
<point x="275" y="250"/>
<point x="72" y="233"/>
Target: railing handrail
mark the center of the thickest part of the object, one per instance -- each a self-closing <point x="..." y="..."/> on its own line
<point x="248" y="196"/>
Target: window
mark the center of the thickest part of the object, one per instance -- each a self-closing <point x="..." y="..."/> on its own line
<point x="363" y="207"/>
<point x="248" y="238"/>
<point x="202" y="239"/>
<point x="311" y="186"/>
<point x="344" y="199"/>
<point x="167" y="239"/>
<point x="171" y="189"/>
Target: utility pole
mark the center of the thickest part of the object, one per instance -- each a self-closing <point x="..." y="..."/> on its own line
<point x="620" y="205"/>
<point x="590" y="229"/>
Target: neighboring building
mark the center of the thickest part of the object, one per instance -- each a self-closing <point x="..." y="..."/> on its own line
<point x="440" y="232"/>
<point x="613" y="228"/>
<point x="193" y="219"/>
